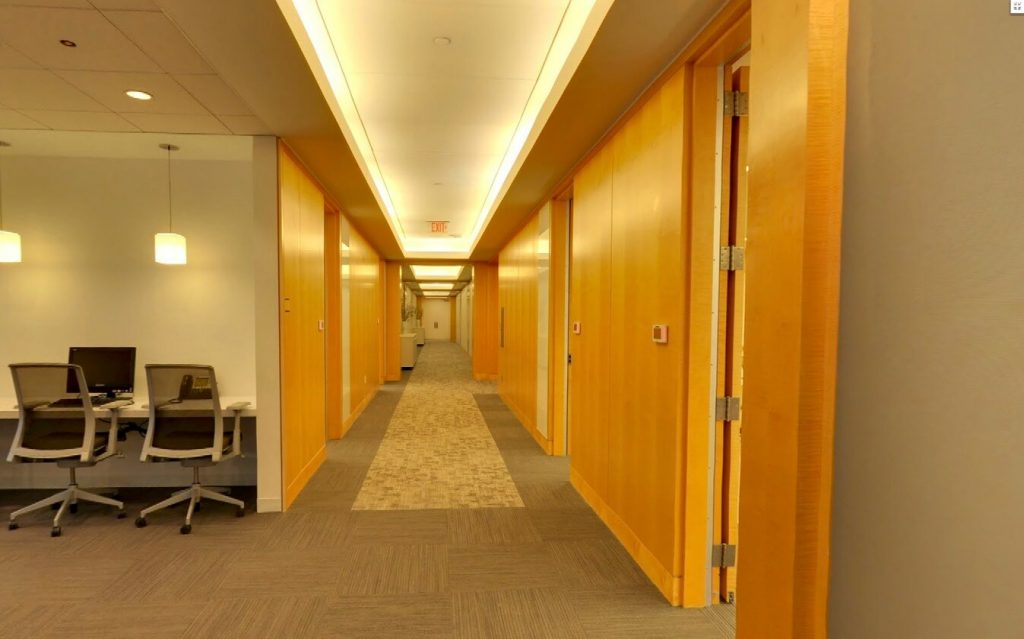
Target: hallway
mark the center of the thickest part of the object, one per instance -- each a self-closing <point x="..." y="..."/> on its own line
<point x="436" y="516"/>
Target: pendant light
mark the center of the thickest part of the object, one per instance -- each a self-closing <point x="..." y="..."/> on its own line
<point x="10" y="242"/>
<point x="170" y="246"/>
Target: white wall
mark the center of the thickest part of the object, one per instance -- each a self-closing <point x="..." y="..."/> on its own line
<point x="437" y="312"/>
<point x="88" y="277"/>
<point x="929" y="479"/>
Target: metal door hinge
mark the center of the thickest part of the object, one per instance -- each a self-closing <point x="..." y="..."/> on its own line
<point x="727" y="409"/>
<point x="737" y="103"/>
<point x="730" y="258"/>
<point x="723" y="556"/>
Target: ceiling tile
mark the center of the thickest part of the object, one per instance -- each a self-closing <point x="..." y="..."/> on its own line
<point x="108" y="88"/>
<point x="504" y="40"/>
<point x="215" y="95"/>
<point x="10" y="58"/>
<point x="160" y="39"/>
<point x="81" y="121"/>
<point x="245" y="125"/>
<point x="13" y="120"/>
<point x="161" y="123"/>
<point x="37" y="32"/>
<point x="39" y="89"/>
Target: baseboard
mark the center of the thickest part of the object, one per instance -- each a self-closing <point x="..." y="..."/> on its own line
<point x="268" y="505"/>
<point x="351" y="419"/>
<point x="543" y="442"/>
<point x="669" y="585"/>
<point x="292" y="490"/>
<point x="485" y="377"/>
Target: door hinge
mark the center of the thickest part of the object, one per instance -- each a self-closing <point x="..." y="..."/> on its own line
<point x="727" y="409"/>
<point x="723" y="556"/>
<point x="737" y="103"/>
<point x="730" y="258"/>
<point x="570" y="358"/>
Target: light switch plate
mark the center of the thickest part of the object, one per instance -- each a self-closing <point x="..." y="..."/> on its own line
<point x="576" y="328"/>
<point x="659" y="333"/>
<point x="1017" y="7"/>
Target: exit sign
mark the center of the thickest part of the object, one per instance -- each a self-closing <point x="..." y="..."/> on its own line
<point x="439" y="226"/>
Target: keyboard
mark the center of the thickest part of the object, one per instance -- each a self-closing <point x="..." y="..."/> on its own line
<point x="95" y="400"/>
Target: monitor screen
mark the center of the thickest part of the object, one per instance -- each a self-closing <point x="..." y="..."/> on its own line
<point x="107" y="369"/>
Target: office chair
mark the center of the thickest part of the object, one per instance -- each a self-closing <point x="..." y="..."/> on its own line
<point x="65" y="435"/>
<point x="186" y="424"/>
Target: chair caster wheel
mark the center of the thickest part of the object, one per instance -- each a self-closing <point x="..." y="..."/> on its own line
<point x="198" y="506"/>
<point x="140" y="522"/>
<point x="12" y="525"/>
<point x="55" y="531"/>
<point x="121" y="514"/>
<point x="240" y="512"/>
<point x="73" y="508"/>
<point x="186" y="529"/>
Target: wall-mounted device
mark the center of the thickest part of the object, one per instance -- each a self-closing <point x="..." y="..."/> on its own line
<point x="659" y="334"/>
<point x="576" y="328"/>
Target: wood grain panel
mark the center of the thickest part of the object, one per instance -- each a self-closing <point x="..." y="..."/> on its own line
<point x="559" y="339"/>
<point x="366" y="322"/>
<point x="332" y="283"/>
<point x="796" y="140"/>
<point x="486" y="326"/>
<point x="303" y="419"/>
<point x="517" y="355"/>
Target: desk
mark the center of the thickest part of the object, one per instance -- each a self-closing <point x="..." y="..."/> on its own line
<point x="126" y="470"/>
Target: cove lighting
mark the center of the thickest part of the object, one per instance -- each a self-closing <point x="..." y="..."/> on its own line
<point x="316" y="25"/>
<point x="139" y="95"/>
<point x="170" y="248"/>
<point x="434" y="272"/>
<point x="10" y="247"/>
<point x="436" y="286"/>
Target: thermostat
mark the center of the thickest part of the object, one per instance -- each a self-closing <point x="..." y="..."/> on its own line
<point x="659" y="333"/>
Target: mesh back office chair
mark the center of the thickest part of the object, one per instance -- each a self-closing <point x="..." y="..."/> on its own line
<point x="65" y="435"/>
<point x="186" y="424"/>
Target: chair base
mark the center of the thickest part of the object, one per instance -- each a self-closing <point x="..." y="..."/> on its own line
<point x="193" y="495"/>
<point x="68" y="500"/>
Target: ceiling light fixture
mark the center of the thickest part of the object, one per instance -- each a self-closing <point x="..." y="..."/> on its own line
<point x="170" y="247"/>
<point x="69" y="43"/>
<point x="138" y="95"/>
<point x="436" y="286"/>
<point x="435" y="272"/>
<point x="10" y="242"/>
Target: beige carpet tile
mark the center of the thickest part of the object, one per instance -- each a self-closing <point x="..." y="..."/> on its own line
<point x="107" y="619"/>
<point x="375" y="616"/>
<point x="614" y="614"/>
<point x="437" y="452"/>
<point x="302" y="531"/>
<point x="399" y="527"/>
<point x="515" y="614"/>
<point x="595" y="563"/>
<point x="568" y="524"/>
<point x="281" y="573"/>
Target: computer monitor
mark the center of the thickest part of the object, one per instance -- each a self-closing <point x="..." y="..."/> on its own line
<point x="109" y="370"/>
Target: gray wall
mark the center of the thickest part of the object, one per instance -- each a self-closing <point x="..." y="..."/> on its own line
<point x="929" y="487"/>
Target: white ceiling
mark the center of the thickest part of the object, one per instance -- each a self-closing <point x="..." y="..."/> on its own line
<point x="121" y="45"/>
<point x="436" y="123"/>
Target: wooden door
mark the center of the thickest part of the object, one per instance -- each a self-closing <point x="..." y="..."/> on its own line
<point x="731" y="317"/>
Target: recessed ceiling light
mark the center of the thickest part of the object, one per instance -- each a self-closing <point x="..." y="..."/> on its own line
<point x="138" y="95"/>
<point x="434" y="272"/>
<point x="442" y="41"/>
<point x="437" y="286"/>
<point x="69" y="43"/>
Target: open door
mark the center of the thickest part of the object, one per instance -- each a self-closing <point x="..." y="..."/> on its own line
<point x="731" y="292"/>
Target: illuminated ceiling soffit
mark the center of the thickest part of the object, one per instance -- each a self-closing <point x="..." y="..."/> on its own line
<point x="442" y="101"/>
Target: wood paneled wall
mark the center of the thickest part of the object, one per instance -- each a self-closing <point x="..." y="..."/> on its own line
<point x="517" y="352"/>
<point x="486" y="324"/>
<point x="303" y="374"/>
<point x="366" y="322"/>
<point x="626" y="392"/>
